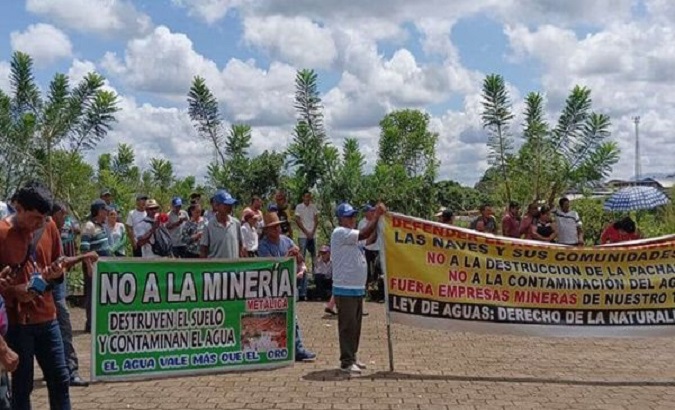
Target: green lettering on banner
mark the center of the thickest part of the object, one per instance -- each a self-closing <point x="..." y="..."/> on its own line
<point x="159" y="318"/>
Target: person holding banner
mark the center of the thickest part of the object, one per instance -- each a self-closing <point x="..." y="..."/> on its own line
<point x="276" y="245"/>
<point x="349" y="280"/>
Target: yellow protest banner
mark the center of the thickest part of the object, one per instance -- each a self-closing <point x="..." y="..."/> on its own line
<point x="445" y="277"/>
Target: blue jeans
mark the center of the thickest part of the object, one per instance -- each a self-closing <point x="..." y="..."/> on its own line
<point x="43" y="342"/>
<point x="306" y="245"/>
<point x="66" y="328"/>
<point x="299" y="347"/>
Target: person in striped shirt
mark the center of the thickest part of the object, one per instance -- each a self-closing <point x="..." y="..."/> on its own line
<point x="95" y="238"/>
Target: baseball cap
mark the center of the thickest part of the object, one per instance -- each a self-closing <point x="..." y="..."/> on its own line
<point x="344" y="210"/>
<point x="176" y="201"/>
<point x="368" y="208"/>
<point x="105" y="192"/>
<point x="141" y="197"/>
<point x="97" y="205"/>
<point x="223" y="197"/>
<point x="272" y="207"/>
<point x="324" y="249"/>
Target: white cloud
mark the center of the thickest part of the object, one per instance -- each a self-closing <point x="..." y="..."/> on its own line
<point x="106" y="17"/>
<point x="44" y="42"/>
<point x="208" y="10"/>
<point x="162" y="62"/>
<point x="296" y="40"/>
<point x="165" y="63"/>
<point x="5" y="70"/>
<point x="79" y="69"/>
<point x="158" y="132"/>
<point x="627" y="65"/>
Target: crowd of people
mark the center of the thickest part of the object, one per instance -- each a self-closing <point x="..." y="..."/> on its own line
<point x="39" y="244"/>
<point x="41" y="240"/>
<point x="542" y="223"/>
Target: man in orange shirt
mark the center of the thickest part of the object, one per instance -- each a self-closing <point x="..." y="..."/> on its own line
<point x="31" y="254"/>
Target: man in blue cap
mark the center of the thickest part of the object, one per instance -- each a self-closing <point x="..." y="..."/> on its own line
<point x="222" y="235"/>
<point x="349" y="280"/>
<point x="177" y="217"/>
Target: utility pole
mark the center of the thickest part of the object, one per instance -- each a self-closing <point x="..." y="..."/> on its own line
<point x="638" y="168"/>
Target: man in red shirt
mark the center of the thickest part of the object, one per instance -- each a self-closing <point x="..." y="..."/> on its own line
<point x="30" y="245"/>
<point x="511" y="221"/>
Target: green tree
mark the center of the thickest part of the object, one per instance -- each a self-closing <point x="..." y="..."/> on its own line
<point x="576" y="154"/>
<point x="162" y="173"/>
<point x="33" y="130"/>
<point x="205" y="114"/>
<point x="309" y="137"/>
<point x="496" y="116"/>
<point x="407" y="166"/>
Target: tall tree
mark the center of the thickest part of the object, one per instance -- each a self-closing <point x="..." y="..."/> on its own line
<point x="537" y="145"/>
<point x="577" y="153"/>
<point x="496" y="117"/>
<point x="205" y="114"/>
<point x="407" y="166"/>
<point x="34" y="130"/>
<point x="309" y="137"/>
<point x="583" y="153"/>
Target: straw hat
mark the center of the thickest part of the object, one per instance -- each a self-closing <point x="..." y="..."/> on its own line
<point x="151" y="204"/>
<point x="271" y="219"/>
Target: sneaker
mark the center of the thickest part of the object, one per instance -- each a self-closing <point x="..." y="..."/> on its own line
<point x="351" y="369"/>
<point x="330" y="311"/>
<point x="305" y="356"/>
<point x="360" y="365"/>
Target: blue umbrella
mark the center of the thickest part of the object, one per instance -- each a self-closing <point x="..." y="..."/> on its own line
<point x="635" y="198"/>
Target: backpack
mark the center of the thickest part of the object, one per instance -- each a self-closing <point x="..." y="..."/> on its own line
<point x="162" y="245"/>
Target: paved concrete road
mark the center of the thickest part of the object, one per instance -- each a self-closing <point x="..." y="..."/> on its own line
<point x="434" y="370"/>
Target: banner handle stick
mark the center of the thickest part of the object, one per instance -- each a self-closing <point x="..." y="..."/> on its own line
<point x="380" y="240"/>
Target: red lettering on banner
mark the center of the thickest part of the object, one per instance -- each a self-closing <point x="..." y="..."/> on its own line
<point x="411" y="286"/>
<point x="253" y="305"/>
<point x="545" y="298"/>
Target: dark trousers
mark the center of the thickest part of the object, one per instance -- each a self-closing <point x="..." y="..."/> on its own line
<point x="87" y="301"/>
<point x="66" y="328"/>
<point x="371" y="256"/>
<point x="324" y="286"/>
<point x="350" y="316"/>
<point x="180" y="252"/>
<point x="252" y="254"/>
<point x="5" y="396"/>
<point x="42" y="342"/>
<point x="138" y="252"/>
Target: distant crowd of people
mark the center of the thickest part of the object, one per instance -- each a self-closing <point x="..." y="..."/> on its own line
<point x="541" y="223"/>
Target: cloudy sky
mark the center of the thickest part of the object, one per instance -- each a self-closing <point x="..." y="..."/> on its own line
<point x="372" y="57"/>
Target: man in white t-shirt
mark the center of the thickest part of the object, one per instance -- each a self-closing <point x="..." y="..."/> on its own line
<point x="147" y="229"/>
<point x="307" y="219"/>
<point x="569" y="225"/>
<point x="135" y="224"/>
<point x="349" y="280"/>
